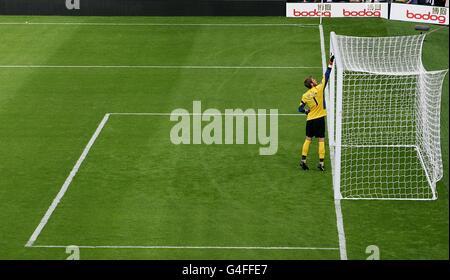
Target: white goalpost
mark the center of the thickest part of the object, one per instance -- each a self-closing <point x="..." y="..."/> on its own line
<point x="384" y="119"/>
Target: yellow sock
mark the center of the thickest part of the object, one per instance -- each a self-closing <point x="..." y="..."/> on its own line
<point x="322" y="150"/>
<point x="305" y="148"/>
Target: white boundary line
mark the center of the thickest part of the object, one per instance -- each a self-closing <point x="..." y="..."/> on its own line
<point x="199" y="114"/>
<point x="161" y="66"/>
<point x="340" y="228"/>
<point x="191" y="247"/>
<point x="163" y="24"/>
<point x="322" y="48"/>
<point x="66" y="184"/>
<point x="337" y="202"/>
<point x="68" y="181"/>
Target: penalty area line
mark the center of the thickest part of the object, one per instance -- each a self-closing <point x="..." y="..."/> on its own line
<point x="164" y="24"/>
<point x="190" y="247"/>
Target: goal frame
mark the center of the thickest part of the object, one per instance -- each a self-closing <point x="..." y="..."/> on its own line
<point x="334" y="99"/>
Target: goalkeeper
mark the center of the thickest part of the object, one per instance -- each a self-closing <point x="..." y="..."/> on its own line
<point x="313" y="105"/>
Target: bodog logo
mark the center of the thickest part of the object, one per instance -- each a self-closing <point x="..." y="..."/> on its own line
<point x="426" y="17"/>
<point x="311" y="13"/>
<point x="361" y="13"/>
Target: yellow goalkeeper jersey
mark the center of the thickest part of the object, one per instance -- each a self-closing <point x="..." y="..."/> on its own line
<point x="314" y="99"/>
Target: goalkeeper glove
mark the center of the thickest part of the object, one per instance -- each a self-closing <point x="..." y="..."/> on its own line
<point x="302" y="109"/>
<point x="331" y="61"/>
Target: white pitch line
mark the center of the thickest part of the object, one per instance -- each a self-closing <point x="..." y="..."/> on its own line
<point x="66" y="184"/>
<point x="199" y="114"/>
<point x="189" y="247"/>
<point x="322" y="48"/>
<point x="77" y="165"/>
<point x="340" y="228"/>
<point x="163" y="24"/>
<point x="337" y="202"/>
<point x="161" y="66"/>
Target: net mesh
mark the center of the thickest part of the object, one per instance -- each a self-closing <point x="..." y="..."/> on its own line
<point x="390" y="121"/>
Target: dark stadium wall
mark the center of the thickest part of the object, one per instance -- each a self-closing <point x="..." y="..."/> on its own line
<point x="144" y="7"/>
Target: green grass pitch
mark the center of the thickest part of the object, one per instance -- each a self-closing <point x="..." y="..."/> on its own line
<point x="135" y="188"/>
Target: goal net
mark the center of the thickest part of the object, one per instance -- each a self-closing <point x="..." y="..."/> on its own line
<point x="384" y="119"/>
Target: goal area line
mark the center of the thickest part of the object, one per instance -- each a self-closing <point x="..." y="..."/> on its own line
<point x="76" y="167"/>
<point x="206" y="114"/>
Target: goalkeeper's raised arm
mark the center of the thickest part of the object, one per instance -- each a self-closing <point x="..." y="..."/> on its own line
<point x="310" y="83"/>
<point x="326" y="76"/>
<point x="313" y="104"/>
